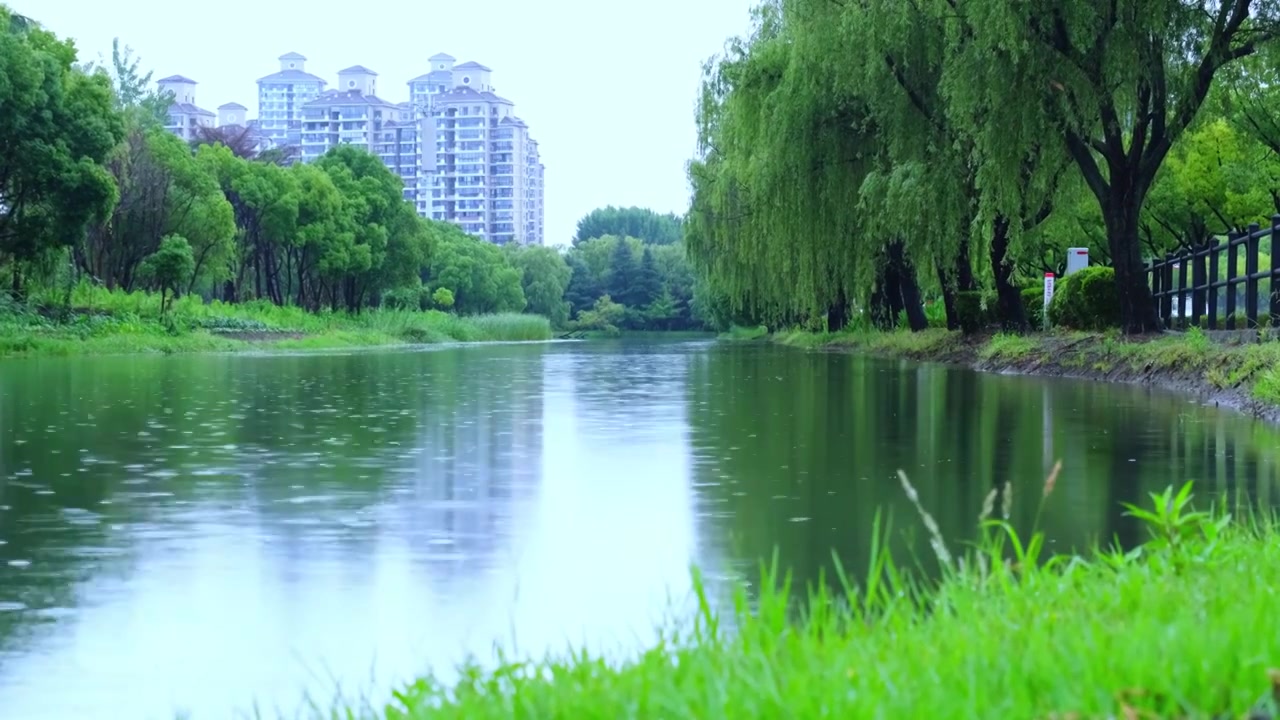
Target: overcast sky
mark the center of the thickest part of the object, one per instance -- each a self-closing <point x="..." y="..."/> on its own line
<point x="607" y="86"/>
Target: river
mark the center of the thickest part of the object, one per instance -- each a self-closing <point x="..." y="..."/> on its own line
<point x="202" y="533"/>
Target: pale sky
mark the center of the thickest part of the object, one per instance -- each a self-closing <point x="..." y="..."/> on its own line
<point x="607" y="86"/>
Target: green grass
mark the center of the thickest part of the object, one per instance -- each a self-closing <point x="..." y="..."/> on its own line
<point x="104" y="322"/>
<point x="1006" y="346"/>
<point x="1191" y="356"/>
<point x="1184" y="626"/>
<point x="931" y="343"/>
<point x="745" y="334"/>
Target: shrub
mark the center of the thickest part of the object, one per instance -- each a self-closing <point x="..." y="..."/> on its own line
<point x="442" y="298"/>
<point x="970" y="312"/>
<point x="1086" y="300"/>
<point x="403" y="298"/>
<point x="1033" y="305"/>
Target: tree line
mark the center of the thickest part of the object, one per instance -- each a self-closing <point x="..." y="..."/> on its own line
<point x="862" y="158"/>
<point x="93" y="188"/>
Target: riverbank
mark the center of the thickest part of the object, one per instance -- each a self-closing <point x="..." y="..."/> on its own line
<point x="1180" y="628"/>
<point x="1227" y="370"/>
<point x="102" y="323"/>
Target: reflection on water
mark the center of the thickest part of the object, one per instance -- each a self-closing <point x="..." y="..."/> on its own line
<point x="799" y="451"/>
<point x="203" y="532"/>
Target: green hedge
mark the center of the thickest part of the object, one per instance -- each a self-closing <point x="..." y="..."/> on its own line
<point x="970" y="313"/>
<point x="1086" y="300"/>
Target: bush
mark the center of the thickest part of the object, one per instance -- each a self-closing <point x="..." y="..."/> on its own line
<point x="970" y="313"/>
<point x="1033" y="305"/>
<point x="1086" y="300"/>
<point x="403" y="298"/>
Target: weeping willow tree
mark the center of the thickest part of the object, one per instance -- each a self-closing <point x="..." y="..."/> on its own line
<point x="1114" y="83"/>
<point x="842" y="135"/>
<point x="918" y="62"/>
<point x="838" y="159"/>
<point x="777" y="221"/>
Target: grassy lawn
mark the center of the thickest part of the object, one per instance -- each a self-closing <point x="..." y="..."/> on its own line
<point x="103" y="322"/>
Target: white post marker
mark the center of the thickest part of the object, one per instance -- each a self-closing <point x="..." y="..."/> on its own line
<point x="1048" y="297"/>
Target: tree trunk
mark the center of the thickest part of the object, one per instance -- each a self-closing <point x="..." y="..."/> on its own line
<point x="908" y="294"/>
<point x="948" y="298"/>
<point x="1013" y="317"/>
<point x="838" y="314"/>
<point x="965" y="281"/>
<point x="1137" y="309"/>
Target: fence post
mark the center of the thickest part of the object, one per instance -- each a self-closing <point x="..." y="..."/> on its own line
<point x="1197" y="286"/>
<point x="1233" y="271"/>
<point x="1251" y="279"/>
<point x="1183" y="257"/>
<point x="1167" y="301"/>
<point x="1213" y="280"/>
<point x="1156" y="277"/>
<point x="1275" y="273"/>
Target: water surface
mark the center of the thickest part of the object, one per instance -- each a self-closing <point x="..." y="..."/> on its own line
<point x="203" y="532"/>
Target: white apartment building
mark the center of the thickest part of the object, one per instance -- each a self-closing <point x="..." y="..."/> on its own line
<point x="281" y="97"/>
<point x="399" y="145"/>
<point x="422" y="90"/>
<point x="459" y="148"/>
<point x="352" y="114"/>
<point x="185" y="118"/>
<point x="486" y="174"/>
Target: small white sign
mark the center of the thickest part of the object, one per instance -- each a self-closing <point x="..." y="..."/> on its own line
<point x="1048" y="296"/>
<point x="1077" y="259"/>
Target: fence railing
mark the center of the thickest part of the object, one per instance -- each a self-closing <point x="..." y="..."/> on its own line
<point x="1217" y="285"/>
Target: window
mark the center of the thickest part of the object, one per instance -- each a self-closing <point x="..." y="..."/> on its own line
<point x="466" y="79"/>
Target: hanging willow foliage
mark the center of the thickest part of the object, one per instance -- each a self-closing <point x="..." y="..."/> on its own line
<point x="845" y="140"/>
<point x="776" y="219"/>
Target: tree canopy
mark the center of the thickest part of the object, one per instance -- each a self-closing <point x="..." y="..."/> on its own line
<point x="858" y="157"/>
<point x="642" y="223"/>
<point x="94" y="189"/>
<point x="58" y="127"/>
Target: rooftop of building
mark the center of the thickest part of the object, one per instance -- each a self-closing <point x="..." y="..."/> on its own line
<point x="442" y="57"/>
<point x="232" y="106"/>
<point x="433" y="75"/>
<point x="463" y="94"/>
<point x="473" y="66"/>
<point x="292" y="76"/>
<point x="176" y="79"/>
<point x="348" y="97"/>
<point x="292" y="56"/>
<point x="357" y="69"/>
<point x="189" y="109"/>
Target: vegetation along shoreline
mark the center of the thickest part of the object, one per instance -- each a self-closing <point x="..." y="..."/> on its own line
<point x="1227" y="369"/>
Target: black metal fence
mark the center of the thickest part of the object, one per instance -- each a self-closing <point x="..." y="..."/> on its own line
<point x="1217" y="286"/>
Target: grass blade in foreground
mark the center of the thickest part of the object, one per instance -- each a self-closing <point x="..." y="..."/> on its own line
<point x="1183" y="627"/>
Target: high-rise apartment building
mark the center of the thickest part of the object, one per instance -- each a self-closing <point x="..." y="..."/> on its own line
<point x="399" y="145"/>
<point x="185" y="118"/>
<point x="459" y="148"/>
<point x="353" y="114"/>
<point x="281" y="97"/>
<point x="484" y="170"/>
